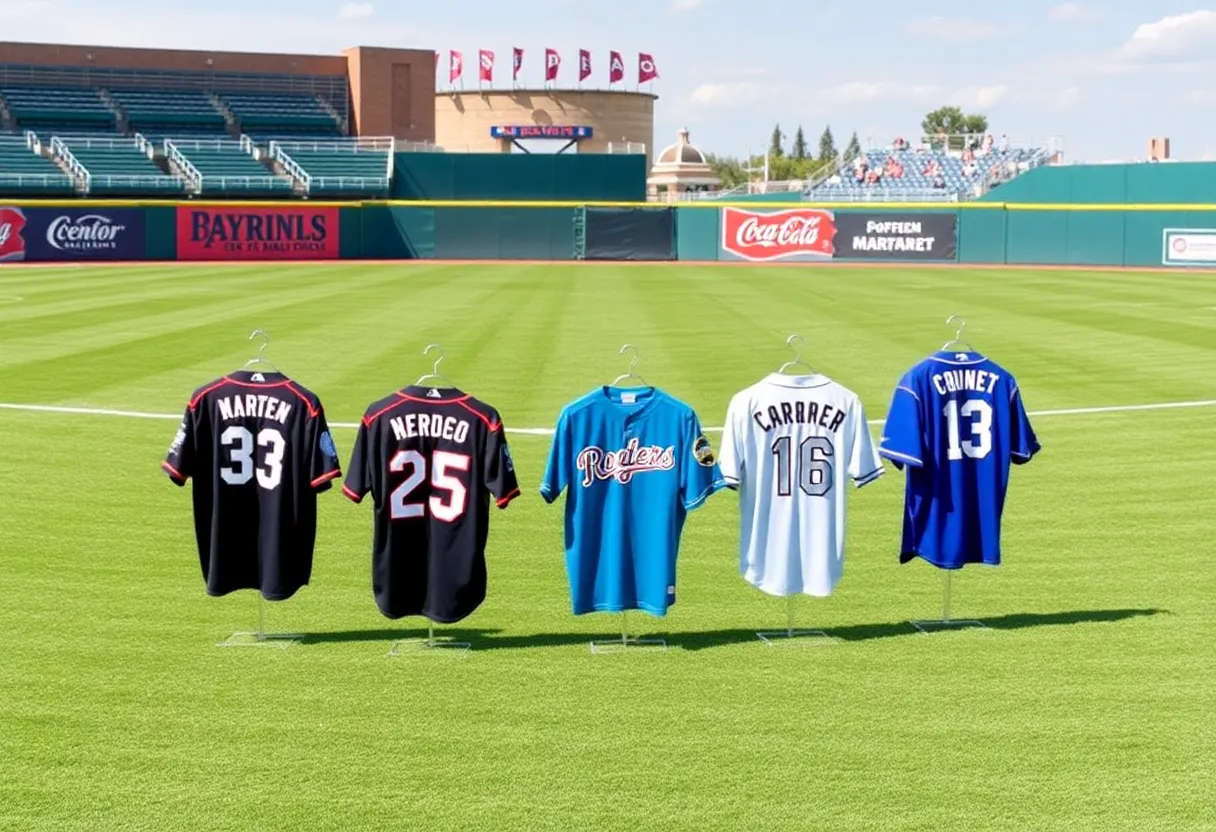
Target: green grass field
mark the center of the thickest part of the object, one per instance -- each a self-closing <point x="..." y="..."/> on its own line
<point x="1089" y="703"/>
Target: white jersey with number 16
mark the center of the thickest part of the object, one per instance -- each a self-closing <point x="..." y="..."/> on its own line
<point x="790" y="446"/>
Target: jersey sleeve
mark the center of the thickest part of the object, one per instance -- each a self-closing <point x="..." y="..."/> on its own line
<point x="903" y="434"/>
<point x="179" y="462"/>
<point x="1023" y="443"/>
<point x="500" y="468"/>
<point x="865" y="466"/>
<point x="730" y="453"/>
<point x="557" y="469"/>
<point x="700" y="475"/>
<point x="360" y="471"/>
<point x="323" y="453"/>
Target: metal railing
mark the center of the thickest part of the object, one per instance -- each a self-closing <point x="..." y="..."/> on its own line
<point x="135" y="181"/>
<point x="32" y="141"/>
<point x="241" y="183"/>
<point x="863" y="193"/>
<point x="29" y="180"/>
<point x="75" y="168"/>
<point x="194" y="177"/>
<point x="626" y="147"/>
<point x="349" y="184"/>
<point x="146" y="147"/>
<point x="292" y="167"/>
<point x="360" y="144"/>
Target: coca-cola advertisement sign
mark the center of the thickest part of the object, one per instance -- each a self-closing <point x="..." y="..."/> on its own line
<point x="792" y="234"/>
<point x="81" y="234"/>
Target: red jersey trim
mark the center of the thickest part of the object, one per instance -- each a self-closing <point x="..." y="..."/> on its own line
<point x="351" y="494"/>
<point x="504" y="501"/>
<point x="326" y="477"/>
<point x="173" y="472"/>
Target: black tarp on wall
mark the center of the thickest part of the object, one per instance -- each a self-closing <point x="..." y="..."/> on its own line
<point x="630" y="234"/>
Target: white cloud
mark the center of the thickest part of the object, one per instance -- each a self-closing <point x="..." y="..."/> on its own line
<point x="356" y="11"/>
<point x="979" y="97"/>
<point x="1066" y="98"/>
<point x="1074" y="13"/>
<point x="685" y="5"/>
<point x="1173" y="38"/>
<point x="952" y="28"/>
<point x="864" y="92"/>
<point x="729" y="94"/>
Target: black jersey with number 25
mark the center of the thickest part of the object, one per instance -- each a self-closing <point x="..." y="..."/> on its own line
<point x="259" y="450"/>
<point x="431" y="459"/>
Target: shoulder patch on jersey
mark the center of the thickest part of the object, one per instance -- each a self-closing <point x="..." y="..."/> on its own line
<point x="508" y="463"/>
<point x="327" y="445"/>
<point x="703" y="451"/>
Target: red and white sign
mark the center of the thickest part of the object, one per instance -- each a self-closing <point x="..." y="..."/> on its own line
<point x="616" y="68"/>
<point x="797" y="233"/>
<point x="647" y="71"/>
<point x="485" y="60"/>
<point x="517" y="62"/>
<point x="584" y="65"/>
<point x="12" y="223"/>
<point x="455" y="66"/>
<point x="552" y="62"/>
<point x="286" y="232"/>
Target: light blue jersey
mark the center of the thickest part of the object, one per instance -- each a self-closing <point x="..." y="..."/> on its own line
<point x="957" y="423"/>
<point x="633" y="462"/>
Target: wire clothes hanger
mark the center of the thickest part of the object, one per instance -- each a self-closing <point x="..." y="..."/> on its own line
<point x="434" y="374"/>
<point x="790" y="342"/>
<point x="632" y="364"/>
<point x="958" y="334"/>
<point x="260" y="358"/>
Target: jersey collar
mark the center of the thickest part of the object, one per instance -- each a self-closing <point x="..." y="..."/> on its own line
<point x="432" y="395"/>
<point x="959" y="358"/>
<point x="613" y="397"/>
<point x="801" y="382"/>
<point x="253" y="378"/>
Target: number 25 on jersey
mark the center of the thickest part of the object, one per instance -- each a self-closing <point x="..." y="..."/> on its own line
<point x="452" y="498"/>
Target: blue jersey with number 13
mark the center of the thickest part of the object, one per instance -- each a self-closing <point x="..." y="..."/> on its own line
<point x="956" y="423"/>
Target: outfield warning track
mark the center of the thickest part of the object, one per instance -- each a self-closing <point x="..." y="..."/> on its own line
<point x="141" y="414"/>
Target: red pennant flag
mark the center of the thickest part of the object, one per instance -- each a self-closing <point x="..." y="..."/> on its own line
<point x="552" y="62"/>
<point x="517" y="62"/>
<point x="616" y="68"/>
<point x="485" y="58"/>
<point x="584" y="65"/>
<point x="646" y="68"/>
<point x="455" y="66"/>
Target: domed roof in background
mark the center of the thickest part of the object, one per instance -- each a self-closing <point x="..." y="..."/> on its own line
<point x="681" y="153"/>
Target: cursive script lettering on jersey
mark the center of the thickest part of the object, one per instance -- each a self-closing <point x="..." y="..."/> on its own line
<point x="599" y="464"/>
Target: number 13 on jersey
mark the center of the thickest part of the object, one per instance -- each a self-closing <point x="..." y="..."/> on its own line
<point x="976" y="414"/>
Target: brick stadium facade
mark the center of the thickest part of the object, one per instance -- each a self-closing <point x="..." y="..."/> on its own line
<point x="388" y="92"/>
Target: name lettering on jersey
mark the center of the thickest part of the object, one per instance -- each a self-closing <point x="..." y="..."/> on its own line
<point x="800" y="413"/>
<point x="954" y="381"/>
<point x="621" y="465"/>
<point x="260" y="406"/>
<point x="429" y="426"/>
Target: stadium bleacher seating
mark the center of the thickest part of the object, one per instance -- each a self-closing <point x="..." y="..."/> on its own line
<point x="225" y="167"/>
<point x="82" y="107"/>
<point x="119" y="165"/>
<point x="25" y="173"/>
<point x="164" y="110"/>
<point x="338" y="168"/>
<point x="926" y="173"/>
<point x="282" y="114"/>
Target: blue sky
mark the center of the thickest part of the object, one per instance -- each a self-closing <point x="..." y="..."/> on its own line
<point x="1103" y="76"/>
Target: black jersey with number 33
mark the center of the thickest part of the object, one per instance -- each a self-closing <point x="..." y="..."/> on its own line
<point x="431" y="459"/>
<point x="258" y="449"/>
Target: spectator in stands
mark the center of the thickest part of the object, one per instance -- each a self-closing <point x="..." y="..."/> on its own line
<point x="1004" y="144"/>
<point x="969" y="168"/>
<point x="932" y="169"/>
<point x="893" y="169"/>
<point x="899" y="143"/>
<point x="873" y="176"/>
<point x="968" y="155"/>
<point x="939" y="181"/>
<point x="987" y="145"/>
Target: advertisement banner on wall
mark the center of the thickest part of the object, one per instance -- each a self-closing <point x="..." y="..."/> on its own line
<point x="812" y="234"/>
<point x="867" y="236"/>
<point x="71" y="234"/>
<point x="1188" y="247"/>
<point x="288" y="232"/>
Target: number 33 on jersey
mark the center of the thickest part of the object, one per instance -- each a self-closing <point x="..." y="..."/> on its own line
<point x="957" y="424"/>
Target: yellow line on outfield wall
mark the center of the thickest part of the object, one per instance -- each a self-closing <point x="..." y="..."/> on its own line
<point x="531" y="203"/>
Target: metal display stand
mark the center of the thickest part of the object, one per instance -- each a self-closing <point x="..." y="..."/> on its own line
<point x="259" y="637"/>
<point x="791" y="637"/>
<point x="946" y="622"/>
<point x="627" y="643"/>
<point x="429" y="645"/>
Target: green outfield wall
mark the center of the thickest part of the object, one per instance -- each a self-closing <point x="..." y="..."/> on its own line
<point x="1093" y="234"/>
